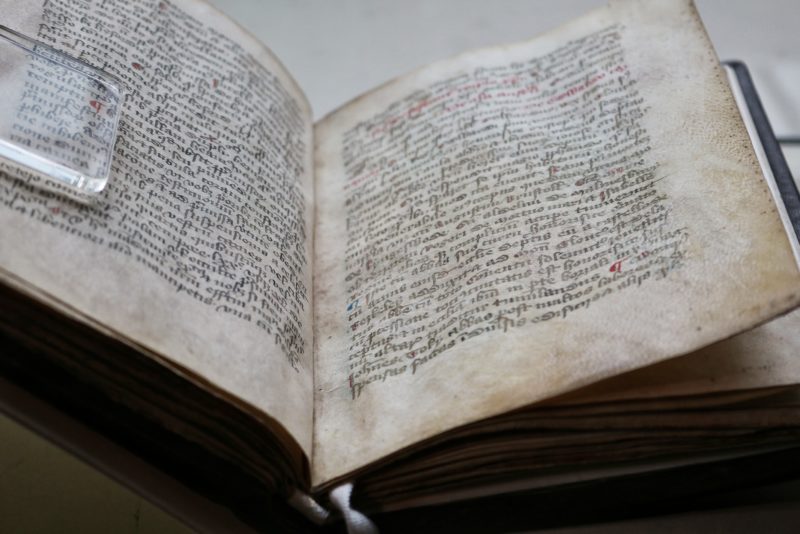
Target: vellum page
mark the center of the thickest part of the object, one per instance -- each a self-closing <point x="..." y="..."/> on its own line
<point x="199" y="249"/>
<point x="765" y="357"/>
<point x="521" y="221"/>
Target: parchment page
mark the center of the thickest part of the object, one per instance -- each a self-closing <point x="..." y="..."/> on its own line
<point x="765" y="357"/>
<point x="200" y="247"/>
<point x="518" y="222"/>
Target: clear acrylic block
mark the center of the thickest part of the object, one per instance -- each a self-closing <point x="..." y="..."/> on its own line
<point x="58" y="115"/>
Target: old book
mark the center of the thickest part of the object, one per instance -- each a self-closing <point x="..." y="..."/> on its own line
<point x="511" y="269"/>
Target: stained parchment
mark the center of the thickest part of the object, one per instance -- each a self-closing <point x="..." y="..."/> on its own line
<point x="200" y="247"/>
<point x="521" y="221"/>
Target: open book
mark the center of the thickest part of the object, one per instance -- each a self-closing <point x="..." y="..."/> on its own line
<point x="478" y="275"/>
